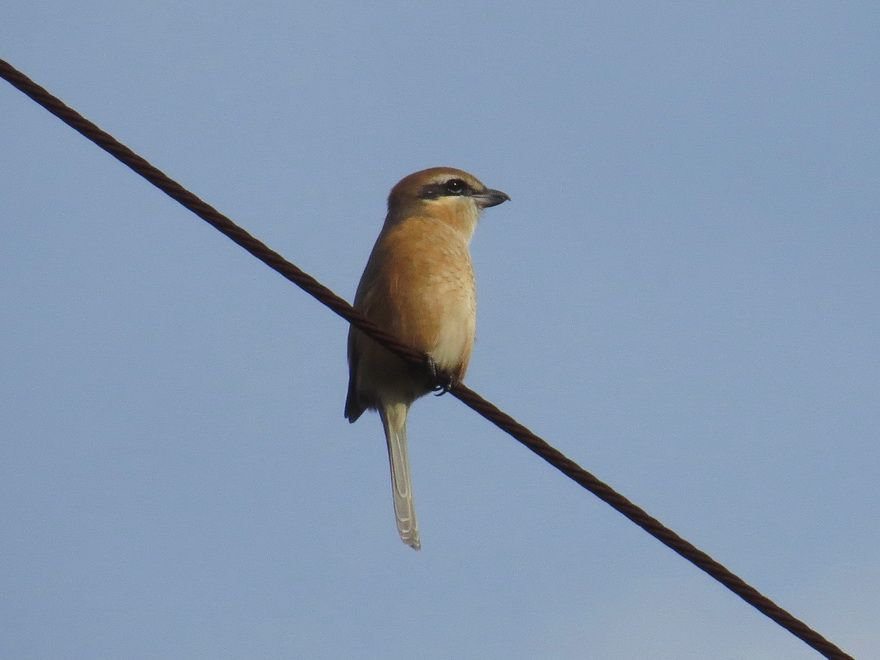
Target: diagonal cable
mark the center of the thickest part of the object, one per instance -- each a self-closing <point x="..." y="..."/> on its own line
<point x="463" y="393"/>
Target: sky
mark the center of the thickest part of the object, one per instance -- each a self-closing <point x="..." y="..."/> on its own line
<point x="681" y="295"/>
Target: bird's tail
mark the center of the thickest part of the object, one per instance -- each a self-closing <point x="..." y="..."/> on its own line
<point x="394" y="422"/>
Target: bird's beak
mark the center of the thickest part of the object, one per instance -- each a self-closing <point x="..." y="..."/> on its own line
<point x="490" y="197"/>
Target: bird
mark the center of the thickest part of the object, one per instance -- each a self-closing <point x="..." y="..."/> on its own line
<point x="419" y="286"/>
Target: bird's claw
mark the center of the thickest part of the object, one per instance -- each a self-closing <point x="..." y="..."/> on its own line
<point x="441" y="382"/>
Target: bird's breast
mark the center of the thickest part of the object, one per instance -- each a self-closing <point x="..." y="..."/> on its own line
<point x="432" y="294"/>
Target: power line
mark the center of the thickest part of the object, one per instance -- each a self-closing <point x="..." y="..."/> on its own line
<point x="460" y="391"/>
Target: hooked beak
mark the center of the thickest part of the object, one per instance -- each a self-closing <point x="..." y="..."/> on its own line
<point x="490" y="197"/>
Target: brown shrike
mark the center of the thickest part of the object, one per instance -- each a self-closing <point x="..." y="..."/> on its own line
<point x="419" y="286"/>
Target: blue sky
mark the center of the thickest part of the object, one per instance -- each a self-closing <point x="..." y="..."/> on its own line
<point x="681" y="296"/>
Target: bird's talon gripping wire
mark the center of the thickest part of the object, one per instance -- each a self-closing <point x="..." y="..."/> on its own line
<point x="441" y="382"/>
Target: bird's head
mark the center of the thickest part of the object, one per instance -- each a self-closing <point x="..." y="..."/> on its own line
<point x="446" y="193"/>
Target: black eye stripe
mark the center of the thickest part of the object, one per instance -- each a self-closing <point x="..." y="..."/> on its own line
<point x="448" y="188"/>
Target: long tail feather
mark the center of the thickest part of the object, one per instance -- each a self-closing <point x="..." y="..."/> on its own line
<point x="394" y="422"/>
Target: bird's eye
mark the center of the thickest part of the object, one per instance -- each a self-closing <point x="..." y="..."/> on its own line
<point x="455" y="186"/>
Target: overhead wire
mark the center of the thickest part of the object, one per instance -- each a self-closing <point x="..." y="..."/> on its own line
<point x="460" y="391"/>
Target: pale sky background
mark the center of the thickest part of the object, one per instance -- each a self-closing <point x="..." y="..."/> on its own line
<point x="681" y="295"/>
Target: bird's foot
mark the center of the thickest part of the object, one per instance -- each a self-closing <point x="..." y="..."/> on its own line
<point x="441" y="382"/>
